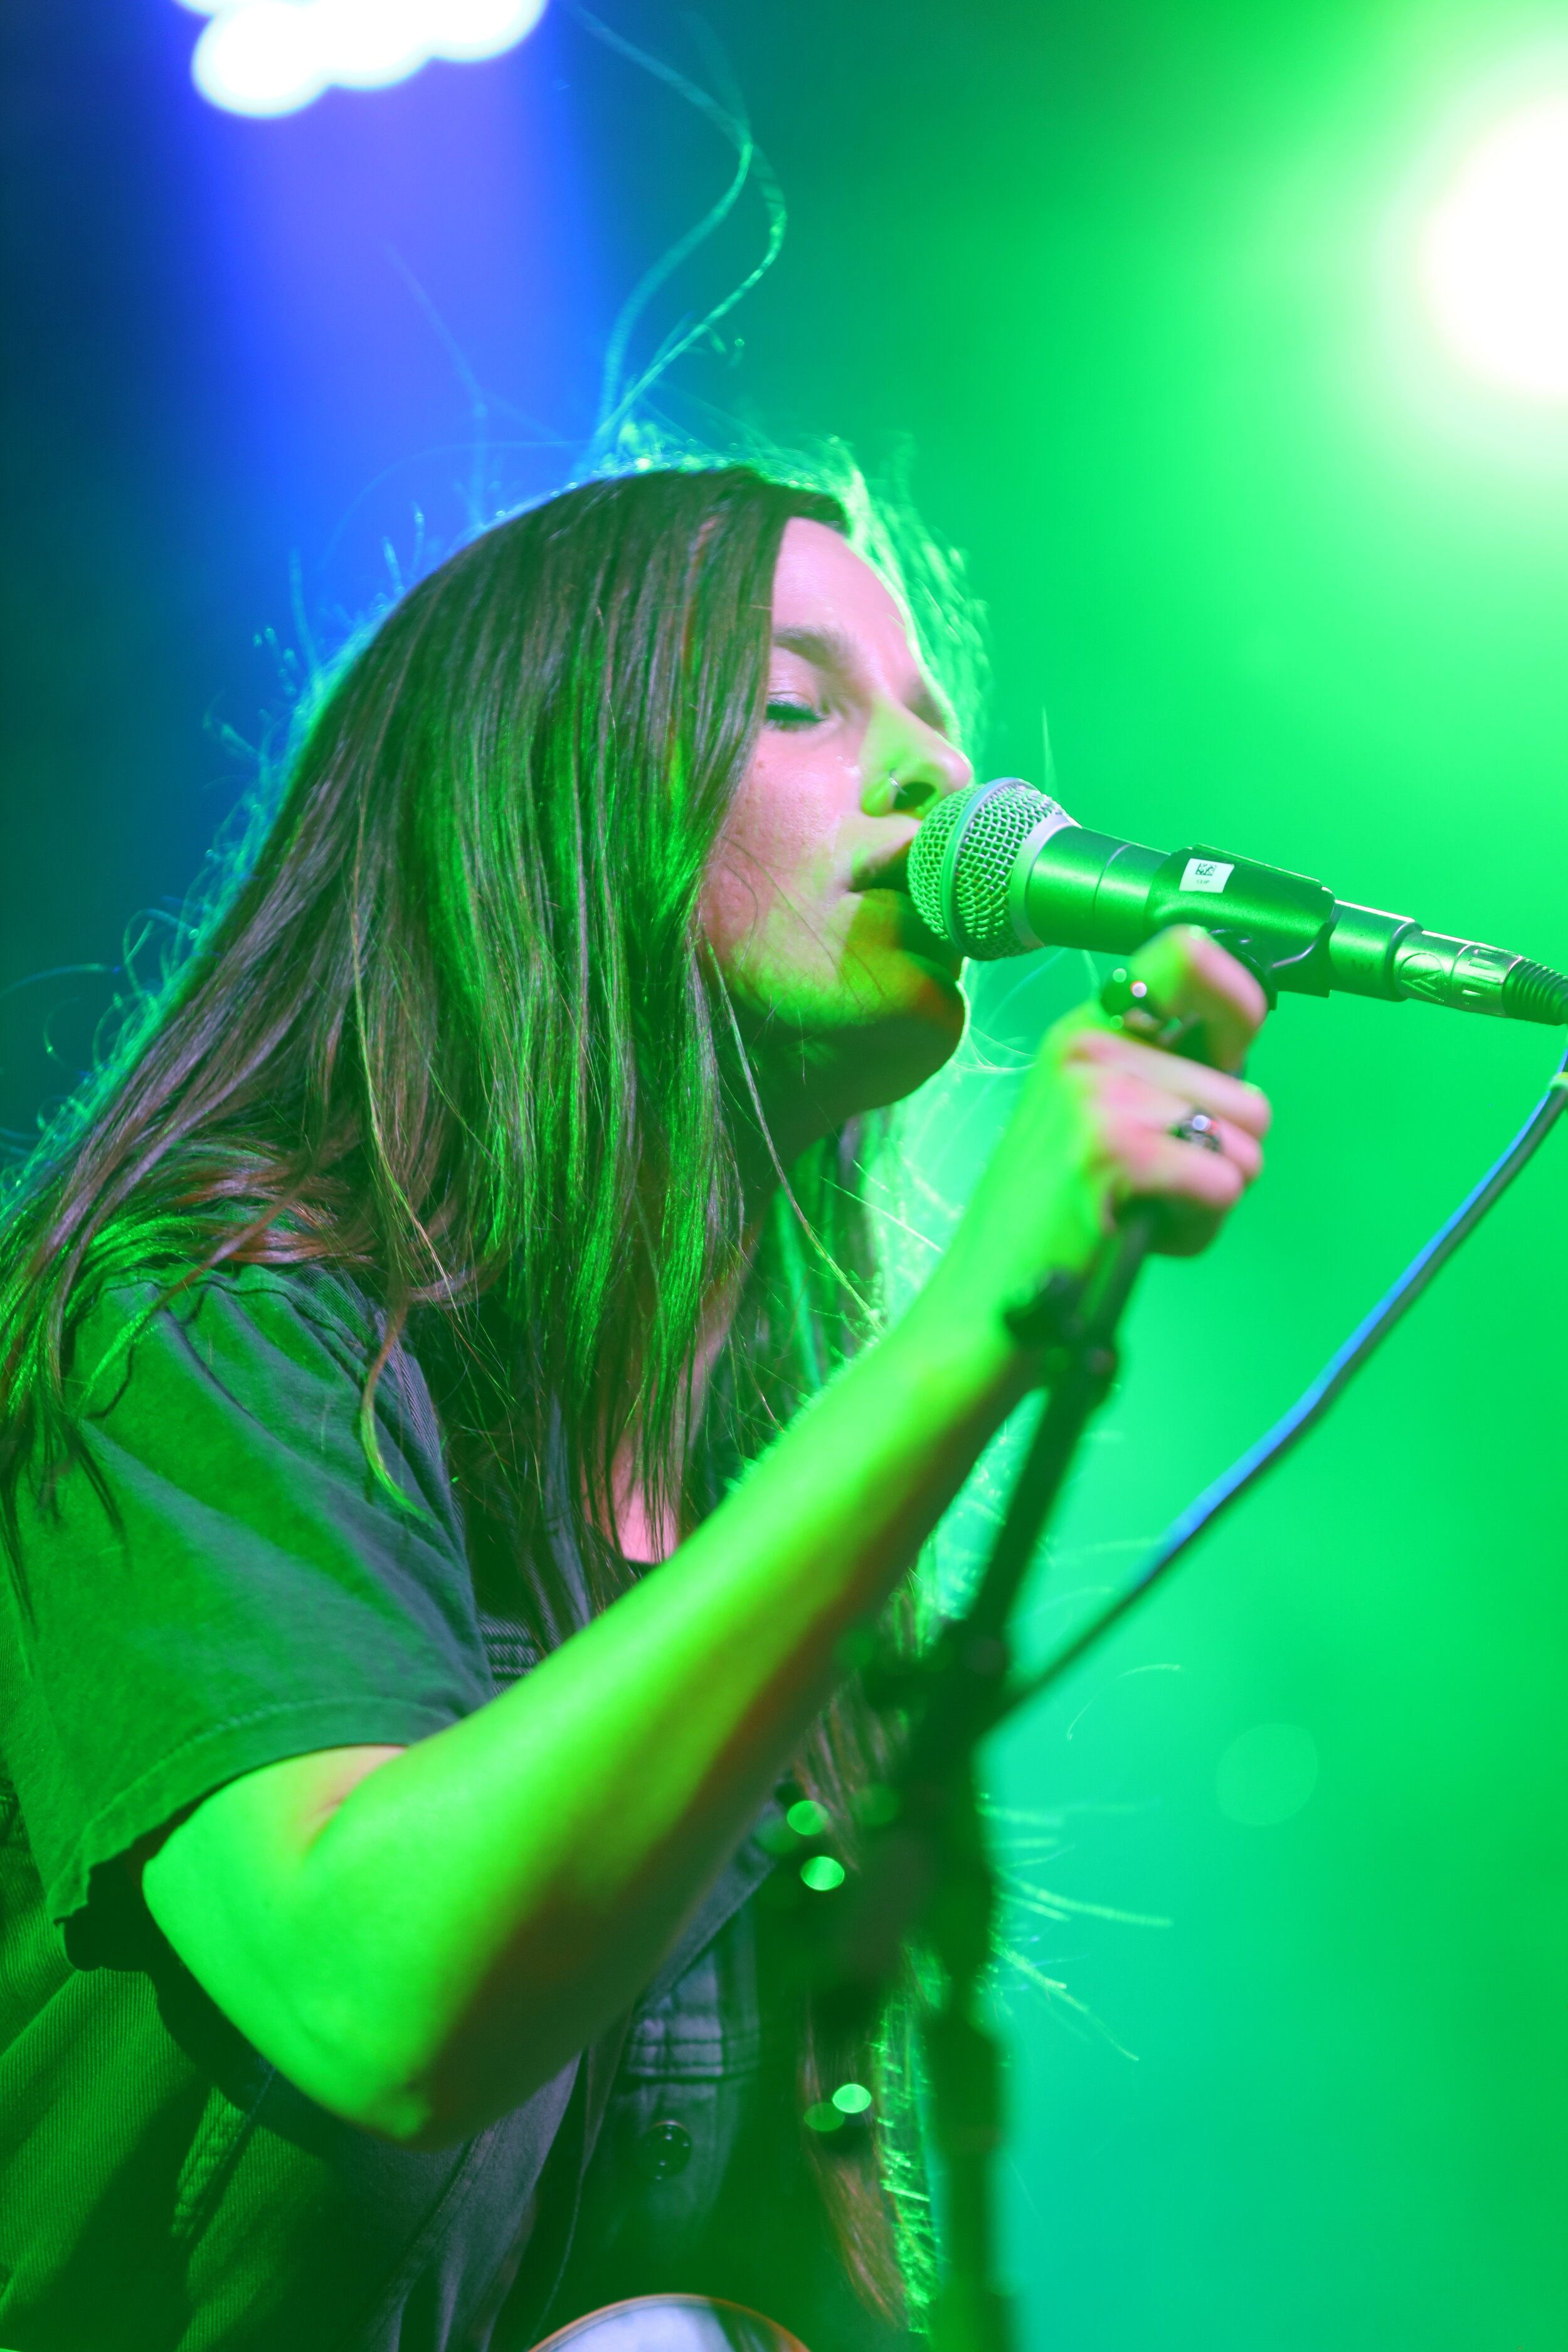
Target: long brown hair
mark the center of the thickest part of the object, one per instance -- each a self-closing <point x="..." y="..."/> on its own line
<point x="456" y="1030"/>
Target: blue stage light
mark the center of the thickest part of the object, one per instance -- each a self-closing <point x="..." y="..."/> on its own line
<point x="273" y="56"/>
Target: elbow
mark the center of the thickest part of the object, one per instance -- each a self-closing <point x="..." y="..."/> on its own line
<point x="353" y="2065"/>
<point x="383" y="2102"/>
<point x="404" y="2115"/>
<point x="414" y="2116"/>
<point x="406" y="2106"/>
<point x="407" y="2121"/>
<point x="401" y="2091"/>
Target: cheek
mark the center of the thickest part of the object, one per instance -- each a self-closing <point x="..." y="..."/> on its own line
<point x="733" y="907"/>
<point x="775" y="859"/>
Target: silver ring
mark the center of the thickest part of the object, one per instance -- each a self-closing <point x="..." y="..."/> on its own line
<point x="1200" y="1128"/>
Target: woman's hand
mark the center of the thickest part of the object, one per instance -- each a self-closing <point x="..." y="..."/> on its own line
<point x="1135" y="1092"/>
<point x="1095" y="1127"/>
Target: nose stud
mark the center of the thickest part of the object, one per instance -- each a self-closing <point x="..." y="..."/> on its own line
<point x="897" y="786"/>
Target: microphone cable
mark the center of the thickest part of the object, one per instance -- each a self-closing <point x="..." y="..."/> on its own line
<point x="1314" y="1402"/>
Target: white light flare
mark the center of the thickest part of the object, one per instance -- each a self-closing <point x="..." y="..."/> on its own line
<point x="1495" y="254"/>
<point x="273" y="56"/>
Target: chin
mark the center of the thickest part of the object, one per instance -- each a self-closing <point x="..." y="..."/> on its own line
<point x="925" y="986"/>
<point x="858" y="1036"/>
<point x="911" y="1032"/>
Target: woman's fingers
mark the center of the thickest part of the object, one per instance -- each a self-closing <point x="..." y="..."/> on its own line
<point x="1240" y="1146"/>
<point x="1140" y="1124"/>
<point x="1141" y="1095"/>
<point x="1189" y="977"/>
<point x="1198" y="1086"/>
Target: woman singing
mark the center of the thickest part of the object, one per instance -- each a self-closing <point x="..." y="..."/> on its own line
<point x="400" y="1675"/>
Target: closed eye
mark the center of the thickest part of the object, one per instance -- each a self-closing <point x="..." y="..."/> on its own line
<point x="787" y="711"/>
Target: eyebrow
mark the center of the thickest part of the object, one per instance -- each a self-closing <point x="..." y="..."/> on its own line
<point x="830" y="649"/>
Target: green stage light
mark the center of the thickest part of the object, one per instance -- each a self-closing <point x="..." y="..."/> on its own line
<point x="1495" y="255"/>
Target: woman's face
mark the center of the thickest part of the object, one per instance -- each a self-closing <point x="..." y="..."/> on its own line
<point x="845" y="999"/>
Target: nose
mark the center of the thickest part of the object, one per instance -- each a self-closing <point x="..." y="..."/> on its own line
<point x="910" y="768"/>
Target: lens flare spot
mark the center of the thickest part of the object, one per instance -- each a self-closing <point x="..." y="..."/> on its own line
<point x="851" y="2098"/>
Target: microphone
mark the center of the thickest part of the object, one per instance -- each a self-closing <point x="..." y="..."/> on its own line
<point x="1003" y="868"/>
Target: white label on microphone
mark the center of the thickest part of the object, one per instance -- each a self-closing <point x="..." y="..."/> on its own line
<point x="1203" y="874"/>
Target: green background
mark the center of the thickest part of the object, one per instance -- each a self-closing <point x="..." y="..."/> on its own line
<point x="1136" y="281"/>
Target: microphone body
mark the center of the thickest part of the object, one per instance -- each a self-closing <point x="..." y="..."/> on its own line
<point x="1003" y="868"/>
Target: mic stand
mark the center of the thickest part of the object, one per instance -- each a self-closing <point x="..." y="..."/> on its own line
<point x="931" y="1868"/>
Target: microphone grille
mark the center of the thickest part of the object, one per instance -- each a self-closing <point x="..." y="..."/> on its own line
<point x="961" y="859"/>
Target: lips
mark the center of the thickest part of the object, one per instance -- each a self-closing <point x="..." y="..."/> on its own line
<point x="879" y="870"/>
<point x="884" y="874"/>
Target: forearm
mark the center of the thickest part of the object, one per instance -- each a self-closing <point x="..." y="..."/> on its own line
<point x="483" y="1903"/>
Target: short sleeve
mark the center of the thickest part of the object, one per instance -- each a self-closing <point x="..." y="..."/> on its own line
<point x="261" y="1595"/>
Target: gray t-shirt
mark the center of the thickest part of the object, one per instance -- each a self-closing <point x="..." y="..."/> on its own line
<point x="162" y="2189"/>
